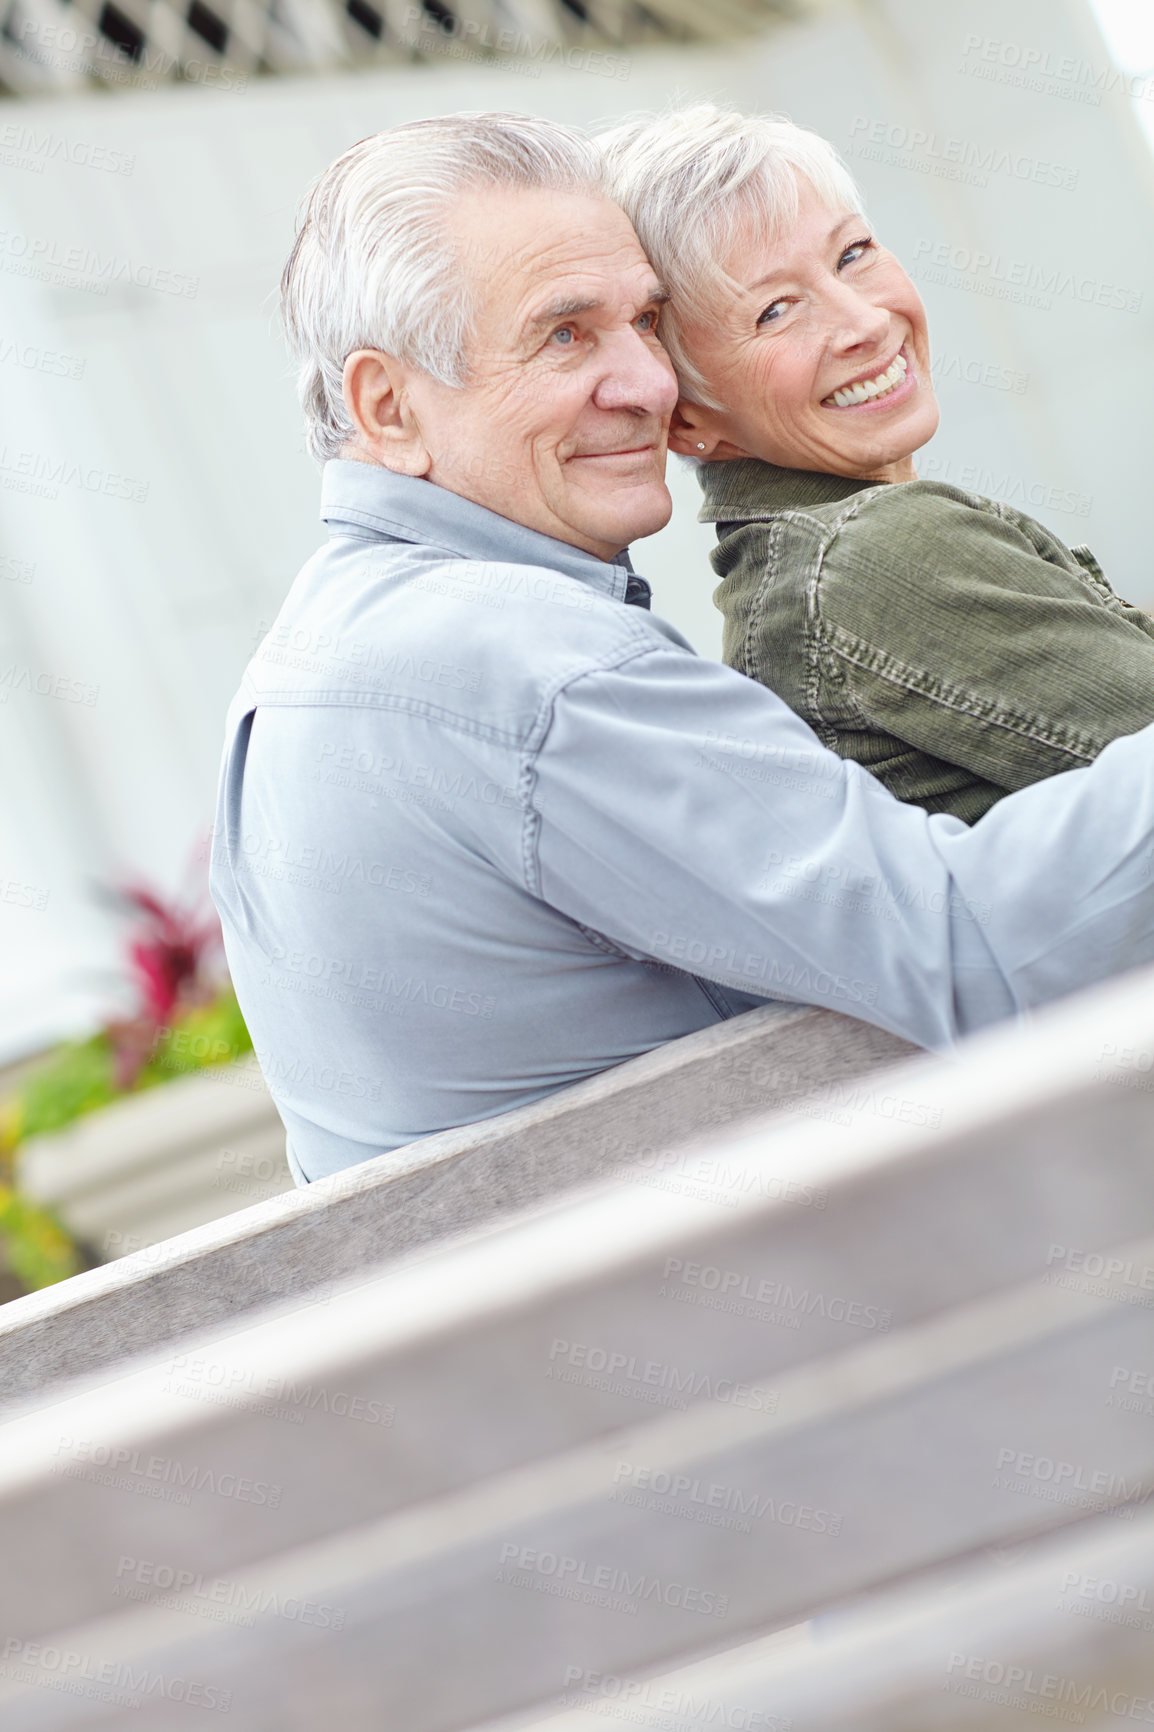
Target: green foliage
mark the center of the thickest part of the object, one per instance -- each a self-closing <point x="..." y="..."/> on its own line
<point x="76" y="1079"/>
<point x="80" y="1075"/>
<point x="210" y="1034"/>
<point x="36" y="1247"/>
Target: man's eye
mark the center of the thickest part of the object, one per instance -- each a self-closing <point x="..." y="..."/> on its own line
<point x="648" y="321"/>
<point x="772" y="313"/>
<point x="564" y="336"/>
<point x="856" y="250"/>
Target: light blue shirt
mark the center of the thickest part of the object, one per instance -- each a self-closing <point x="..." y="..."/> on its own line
<point x="484" y="830"/>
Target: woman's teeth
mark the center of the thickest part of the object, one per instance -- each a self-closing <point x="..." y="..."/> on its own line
<point x="871" y="388"/>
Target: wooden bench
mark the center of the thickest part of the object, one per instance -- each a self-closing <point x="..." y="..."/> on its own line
<point x="798" y="1367"/>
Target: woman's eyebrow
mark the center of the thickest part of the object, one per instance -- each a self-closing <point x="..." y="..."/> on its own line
<point x="785" y="270"/>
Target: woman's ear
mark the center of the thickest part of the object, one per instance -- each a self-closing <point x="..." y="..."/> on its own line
<point x="696" y="432"/>
<point x="689" y="430"/>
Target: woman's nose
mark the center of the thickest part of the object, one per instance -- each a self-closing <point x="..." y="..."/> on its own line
<point x="857" y="322"/>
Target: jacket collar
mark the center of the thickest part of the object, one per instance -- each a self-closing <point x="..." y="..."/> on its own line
<point x="746" y="487"/>
<point x="365" y="496"/>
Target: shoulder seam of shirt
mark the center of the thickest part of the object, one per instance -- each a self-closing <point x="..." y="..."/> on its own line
<point x="317" y="700"/>
<point x="535" y="744"/>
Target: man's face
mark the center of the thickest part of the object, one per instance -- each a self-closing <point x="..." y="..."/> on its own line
<point x="562" y="423"/>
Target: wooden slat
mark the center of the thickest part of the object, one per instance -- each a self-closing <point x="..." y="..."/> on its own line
<point x="1058" y="1629"/>
<point x="434" y="1189"/>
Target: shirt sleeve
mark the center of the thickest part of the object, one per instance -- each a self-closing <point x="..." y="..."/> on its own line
<point x="981" y="639"/>
<point x="686" y="814"/>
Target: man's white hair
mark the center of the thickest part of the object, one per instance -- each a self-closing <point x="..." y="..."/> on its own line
<point x="690" y="179"/>
<point x="375" y="265"/>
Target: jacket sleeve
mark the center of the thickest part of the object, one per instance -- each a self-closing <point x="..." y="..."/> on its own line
<point x="686" y="814"/>
<point x="979" y="638"/>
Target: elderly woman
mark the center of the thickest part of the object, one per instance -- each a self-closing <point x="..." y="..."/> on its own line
<point x="949" y="644"/>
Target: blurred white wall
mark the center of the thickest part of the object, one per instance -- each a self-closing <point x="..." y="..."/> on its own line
<point x="155" y="497"/>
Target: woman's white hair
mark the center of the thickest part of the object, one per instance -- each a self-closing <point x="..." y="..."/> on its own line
<point x="374" y="264"/>
<point x="690" y="179"/>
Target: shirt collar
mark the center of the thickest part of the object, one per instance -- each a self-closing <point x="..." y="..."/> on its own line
<point x="406" y="508"/>
<point x="746" y="487"/>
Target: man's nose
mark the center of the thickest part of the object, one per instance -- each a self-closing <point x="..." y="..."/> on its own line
<point x="636" y="376"/>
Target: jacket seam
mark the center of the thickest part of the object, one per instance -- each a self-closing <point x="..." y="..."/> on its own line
<point x="761" y="598"/>
<point x="868" y="659"/>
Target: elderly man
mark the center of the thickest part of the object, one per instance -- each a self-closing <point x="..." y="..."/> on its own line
<point x="487" y="824"/>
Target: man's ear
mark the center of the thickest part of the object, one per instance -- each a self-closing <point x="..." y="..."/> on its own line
<point x="375" y="390"/>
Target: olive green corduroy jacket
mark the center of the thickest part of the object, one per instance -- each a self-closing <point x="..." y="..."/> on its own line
<point x="950" y="645"/>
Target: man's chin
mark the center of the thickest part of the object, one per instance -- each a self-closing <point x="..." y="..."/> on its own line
<point x="625" y="519"/>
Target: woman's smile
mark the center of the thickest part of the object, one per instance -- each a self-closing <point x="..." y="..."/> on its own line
<point x="884" y="388"/>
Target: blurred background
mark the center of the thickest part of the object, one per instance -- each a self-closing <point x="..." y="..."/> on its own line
<point x="156" y="499"/>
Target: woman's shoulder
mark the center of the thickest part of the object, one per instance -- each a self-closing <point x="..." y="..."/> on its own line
<point x="830" y="536"/>
<point x="744" y="496"/>
<point x="914" y="525"/>
<point x="920" y="503"/>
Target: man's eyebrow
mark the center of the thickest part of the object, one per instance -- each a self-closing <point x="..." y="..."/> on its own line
<point x="571" y="307"/>
<point x="558" y="311"/>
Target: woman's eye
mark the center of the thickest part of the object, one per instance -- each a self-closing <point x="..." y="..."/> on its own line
<point x="855" y="251"/>
<point x="773" y="313"/>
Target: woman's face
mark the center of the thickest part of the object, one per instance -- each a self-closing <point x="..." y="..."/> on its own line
<point x="820" y="352"/>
